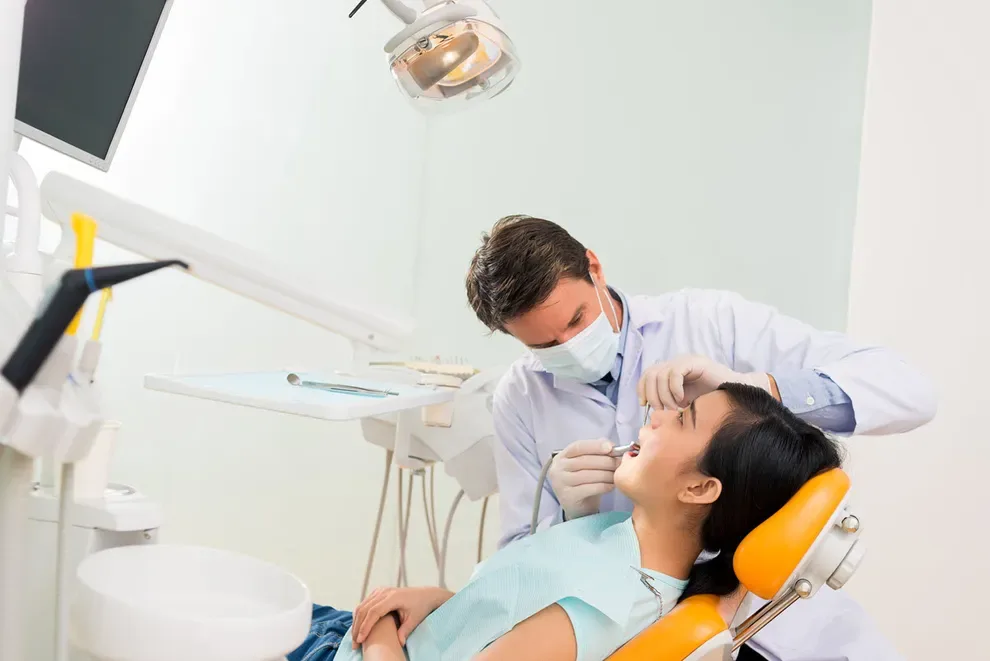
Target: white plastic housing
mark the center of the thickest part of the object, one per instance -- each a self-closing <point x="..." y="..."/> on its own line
<point x="164" y="603"/>
<point x="223" y="263"/>
<point x="36" y="426"/>
<point x="465" y="447"/>
<point x="453" y="54"/>
<point x="83" y="424"/>
<point x="121" y="512"/>
<point x="93" y="471"/>
<point x="718" y="648"/>
<point x="834" y="550"/>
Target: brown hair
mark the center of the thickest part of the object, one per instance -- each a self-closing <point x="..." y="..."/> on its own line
<point x="518" y="266"/>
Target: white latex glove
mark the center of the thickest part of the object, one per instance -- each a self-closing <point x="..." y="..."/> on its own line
<point x="676" y="383"/>
<point x="581" y="474"/>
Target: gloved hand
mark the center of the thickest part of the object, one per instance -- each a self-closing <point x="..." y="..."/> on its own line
<point x="676" y="383"/>
<point x="581" y="474"/>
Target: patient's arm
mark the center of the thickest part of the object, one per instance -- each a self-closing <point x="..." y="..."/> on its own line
<point x="546" y="636"/>
<point x="383" y="642"/>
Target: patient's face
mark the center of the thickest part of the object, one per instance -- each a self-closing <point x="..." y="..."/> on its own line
<point x="670" y="447"/>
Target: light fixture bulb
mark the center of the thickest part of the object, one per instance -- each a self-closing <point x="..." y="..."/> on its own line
<point x="452" y="54"/>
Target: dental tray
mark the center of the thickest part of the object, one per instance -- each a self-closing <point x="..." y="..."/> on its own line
<point x="271" y="391"/>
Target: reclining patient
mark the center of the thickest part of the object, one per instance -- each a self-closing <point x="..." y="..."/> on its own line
<point x="701" y="480"/>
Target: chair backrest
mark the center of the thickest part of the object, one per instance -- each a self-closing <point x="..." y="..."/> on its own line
<point x="810" y="542"/>
<point x="781" y="548"/>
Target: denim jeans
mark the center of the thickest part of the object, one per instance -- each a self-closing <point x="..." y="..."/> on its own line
<point x="328" y="628"/>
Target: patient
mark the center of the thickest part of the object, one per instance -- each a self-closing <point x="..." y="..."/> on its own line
<point x="702" y="479"/>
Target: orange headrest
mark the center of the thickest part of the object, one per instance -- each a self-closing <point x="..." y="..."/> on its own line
<point x="771" y="554"/>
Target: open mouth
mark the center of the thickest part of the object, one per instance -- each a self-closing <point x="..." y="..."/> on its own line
<point x="634" y="451"/>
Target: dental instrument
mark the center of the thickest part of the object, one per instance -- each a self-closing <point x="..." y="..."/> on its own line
<point x="621" y="450"/>
<point x="347" y="389"/>
<point x="35" y="422"/>
<point x="616" y="452"/>
<point x="58" y="312"/>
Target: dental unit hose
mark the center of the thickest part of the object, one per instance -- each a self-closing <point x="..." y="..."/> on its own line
<point x="616" y="452"/>
<point x="58" y="311"/>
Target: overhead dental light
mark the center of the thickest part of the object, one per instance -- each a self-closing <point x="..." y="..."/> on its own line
<point x="452" y="53"/>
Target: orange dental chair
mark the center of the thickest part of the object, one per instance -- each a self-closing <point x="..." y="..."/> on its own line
<point x="811" y="542"/>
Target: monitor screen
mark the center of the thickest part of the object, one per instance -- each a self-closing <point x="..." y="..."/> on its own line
<point x="82" y="62"/>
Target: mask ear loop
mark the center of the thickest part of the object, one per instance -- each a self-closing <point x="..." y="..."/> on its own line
<point x="615" y="315"/>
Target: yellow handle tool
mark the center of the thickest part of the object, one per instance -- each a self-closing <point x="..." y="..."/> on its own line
<point x="85" y="229"/>
<point x="105" y="298"/>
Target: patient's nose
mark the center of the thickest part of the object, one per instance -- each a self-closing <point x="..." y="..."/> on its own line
<point x="657" y="418"/>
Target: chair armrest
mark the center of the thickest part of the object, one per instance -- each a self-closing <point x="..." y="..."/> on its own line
<point x="688" y="627"/>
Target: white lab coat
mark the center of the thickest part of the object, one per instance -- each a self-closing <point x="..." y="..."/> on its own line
<point x="536" y="414"/>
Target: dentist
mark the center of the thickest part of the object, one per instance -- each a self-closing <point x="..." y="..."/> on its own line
<point x="596" y="357"/>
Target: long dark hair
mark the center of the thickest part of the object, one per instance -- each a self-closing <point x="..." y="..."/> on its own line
<point x="763" y="454"/>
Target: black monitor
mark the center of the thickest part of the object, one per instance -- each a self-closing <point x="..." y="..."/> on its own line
<point x="82" y="63"/>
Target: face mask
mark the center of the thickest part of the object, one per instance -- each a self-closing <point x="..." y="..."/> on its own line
<point x="589" y="355"/>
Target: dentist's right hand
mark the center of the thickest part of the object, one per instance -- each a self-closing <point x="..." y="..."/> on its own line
<point x="581" y="474"/>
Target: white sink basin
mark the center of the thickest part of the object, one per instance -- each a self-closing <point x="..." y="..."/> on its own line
<point x="166" y="603"/>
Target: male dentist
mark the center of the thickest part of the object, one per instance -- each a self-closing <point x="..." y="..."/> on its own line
<point x="595" y="356"/>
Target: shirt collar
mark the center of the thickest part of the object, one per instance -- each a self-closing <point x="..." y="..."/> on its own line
<point x="625" y="318"/>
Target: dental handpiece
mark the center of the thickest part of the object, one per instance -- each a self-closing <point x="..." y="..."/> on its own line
<point x="622" y="450"/>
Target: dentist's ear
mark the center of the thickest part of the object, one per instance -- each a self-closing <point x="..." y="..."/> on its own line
<point x="703" y="491"/>
<point x="595" y="267"/>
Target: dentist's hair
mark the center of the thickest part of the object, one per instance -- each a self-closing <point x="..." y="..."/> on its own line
<point x="762" y="454"/>
<point x="519" y="265"/>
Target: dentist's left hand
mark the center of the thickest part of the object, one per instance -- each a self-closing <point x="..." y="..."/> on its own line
<point x="676" y="383"/>
<point x="412" y="605"/>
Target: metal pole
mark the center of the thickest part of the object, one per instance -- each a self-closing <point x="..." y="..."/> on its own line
<point x="16" y="473"/>
<point x="763" y="618"/>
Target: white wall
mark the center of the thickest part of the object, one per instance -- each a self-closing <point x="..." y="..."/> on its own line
<point x="703" y="143"/>
<point x="919" y="272"/>
<point x="275" y="125"/>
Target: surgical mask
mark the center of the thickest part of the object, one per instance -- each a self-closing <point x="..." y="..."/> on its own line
<point x="589" y="355"/>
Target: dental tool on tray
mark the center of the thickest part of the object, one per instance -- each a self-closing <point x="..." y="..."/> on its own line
<point x="340" y="388"/>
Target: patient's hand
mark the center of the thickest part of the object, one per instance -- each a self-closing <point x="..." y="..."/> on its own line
<point x="412" y="605"/>
<point x="382" y="643"/>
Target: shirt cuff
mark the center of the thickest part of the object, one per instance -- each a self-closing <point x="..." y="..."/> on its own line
<point x="815" y="398"/>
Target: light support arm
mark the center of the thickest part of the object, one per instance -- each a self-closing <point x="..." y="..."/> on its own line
<point x="24" y="267"/>
<point x="11" y="29"/>
<point x="401" y="10"/>
<point x="215" y="260"/>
